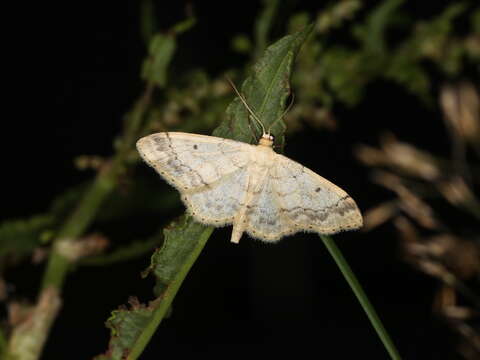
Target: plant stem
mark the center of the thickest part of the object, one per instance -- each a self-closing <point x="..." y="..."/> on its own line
<point x="58" y="265"/>
<point x="136" y="249"/>
<point x="167" y="297"/>
<point x="102" y="186"/>
<point x="105" y="182"/>
<point x="361" y="296"/>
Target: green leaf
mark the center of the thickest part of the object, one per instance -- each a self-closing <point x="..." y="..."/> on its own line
<point x="374" y="31"/>
<point x="184" y="25"/>
<point x="161" y="50"/>
<point x="148" y="23"/>
<point x="131" y="330"/>
<point x="180" y="241"/>
<point x="241" y="44"/>
<point x="22" y="236"/>
<point x="125" y="327"/>
<point x="265" y="90"/>
<point x="339" y="67"/>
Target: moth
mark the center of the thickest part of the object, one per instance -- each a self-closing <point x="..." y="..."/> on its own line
<point x="257" y="190"/>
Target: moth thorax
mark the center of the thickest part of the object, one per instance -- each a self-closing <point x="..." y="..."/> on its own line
<point x="266" y="140"/>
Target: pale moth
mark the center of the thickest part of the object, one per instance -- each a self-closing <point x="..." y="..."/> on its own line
<point x="265" y="194"/>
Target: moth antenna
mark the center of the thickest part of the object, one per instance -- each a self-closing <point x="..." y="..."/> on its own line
<point x="251" y="129"/>
<point x="242" y="99"/>
<point x="284" y="113"/>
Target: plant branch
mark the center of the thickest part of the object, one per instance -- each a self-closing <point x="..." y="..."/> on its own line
<point x="168" y="296"/>
<point x="135" y="249"/>
<point x="361" y="296"/>
<point x="103" y="185"/>
<point x="105" y="182"/>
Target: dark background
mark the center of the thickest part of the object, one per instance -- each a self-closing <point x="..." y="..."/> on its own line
<point x="251" y="299"/>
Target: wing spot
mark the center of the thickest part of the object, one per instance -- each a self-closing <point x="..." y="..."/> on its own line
<point x="195" y="146"/>
<point x="317" y="189"/>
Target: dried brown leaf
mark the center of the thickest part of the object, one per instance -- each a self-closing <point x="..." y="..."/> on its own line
<point x="379" y="214"/>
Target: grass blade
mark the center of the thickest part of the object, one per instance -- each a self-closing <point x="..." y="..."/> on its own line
<point x="361" y="296"/>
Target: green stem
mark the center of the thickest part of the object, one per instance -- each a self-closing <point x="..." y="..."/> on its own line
<point x="104" y="184"/>
<point x="168" y="296"/>
<point x="58" y="265"/>
<point x="136" y="249"/>
<point x="361" y="296"/>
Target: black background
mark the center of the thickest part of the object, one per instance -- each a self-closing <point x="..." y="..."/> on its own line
<point x="251" y="299"/>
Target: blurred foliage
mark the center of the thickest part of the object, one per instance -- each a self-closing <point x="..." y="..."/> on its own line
<point x="422" y="186"/>
<point x="351" y="46"/>
<point x="18" y="237"/>
<point x="388" y="44"/>
<point x="161" y="50"/>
